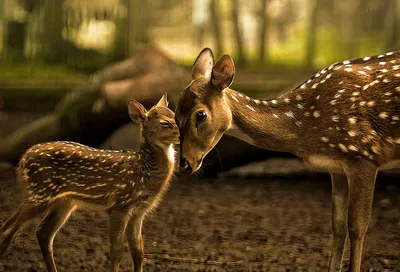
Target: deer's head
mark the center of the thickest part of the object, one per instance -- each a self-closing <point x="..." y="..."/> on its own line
<point x="158" y="124"/>
<point x="202" y="113"/>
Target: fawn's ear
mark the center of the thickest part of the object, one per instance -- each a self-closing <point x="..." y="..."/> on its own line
<point x="137" y="111"/>
<point x="203" y="64"/>
<point x="163" y="101"/>
<point x="223" y="72"/>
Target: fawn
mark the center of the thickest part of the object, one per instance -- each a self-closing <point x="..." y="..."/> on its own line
<point x="343" y="120"/>
<point x="57" y="177"/>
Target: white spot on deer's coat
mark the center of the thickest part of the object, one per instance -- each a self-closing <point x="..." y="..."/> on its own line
<point x="366" y="58"/>
<point x="346" y="62"/>
<point x="343" y="147"/>
<point x="289" y="114"/>
<point x="257" y="101"/>
<point x="274" y="102"/>
<point x="353" y="148"/>
<point x="325" y="139"/>
<point x="299" y="97"/>
<point x="352" y="120"/>
<point x="234" y="97"/>
<point x="303" y="86"/>
<point x="383" y="115"/>
<point x="250" y="108"/>
<point x="287" y="100"/>
<point x="348" y="69"/>
<point x="381" y="56"/>
<point x="316" y="114"/>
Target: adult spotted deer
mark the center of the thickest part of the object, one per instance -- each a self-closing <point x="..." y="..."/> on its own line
<point x="57" y="177"/>
<point x="343" y="120"/>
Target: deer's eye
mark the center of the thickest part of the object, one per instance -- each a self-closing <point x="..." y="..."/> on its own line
<point x="166" y="124"/>
<point x="200" y="116"/>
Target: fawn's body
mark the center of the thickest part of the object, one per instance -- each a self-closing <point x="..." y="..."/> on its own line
<point x="57" y="177"/>
<point x="344" y="120"/>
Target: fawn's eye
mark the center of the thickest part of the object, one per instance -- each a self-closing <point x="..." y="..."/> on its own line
<point x="200" y="116"/>
<point x="166" y="124"/>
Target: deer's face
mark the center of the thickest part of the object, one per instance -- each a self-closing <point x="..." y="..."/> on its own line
<point x="202" y="113"/>
<point x="158" y="124"/>
<point x="161" y="126"/>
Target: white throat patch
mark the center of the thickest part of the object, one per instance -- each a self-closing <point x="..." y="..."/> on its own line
<point x="171" y="153"/>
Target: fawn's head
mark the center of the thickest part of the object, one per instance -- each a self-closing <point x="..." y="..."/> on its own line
<point x="158" y="124"/>
<point x="202" y="113"/>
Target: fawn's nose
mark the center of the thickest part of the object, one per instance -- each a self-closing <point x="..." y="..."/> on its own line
<point x="185" y="166"/>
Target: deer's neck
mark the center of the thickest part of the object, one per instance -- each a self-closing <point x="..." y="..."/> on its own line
<point x="261" y="123"/>
<point x="156" y="160"/>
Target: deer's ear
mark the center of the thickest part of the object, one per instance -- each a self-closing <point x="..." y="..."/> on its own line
<point x="223" y="72"/>
<point x="203" y="64"/>
<point x="163" y="101"/>
<point x="137" y="111"/>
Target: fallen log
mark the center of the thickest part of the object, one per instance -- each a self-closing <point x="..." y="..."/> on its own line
<point x="89" y="114"/>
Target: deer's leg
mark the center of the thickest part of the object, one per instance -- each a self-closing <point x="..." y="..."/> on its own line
<point x="118" y="222"/>
<point x="26" y="211"/>
<point x="340" y="204"/>
<point x="49" y="227"/>
<point x="362" y="184"/>
<point x="135" y="240"/>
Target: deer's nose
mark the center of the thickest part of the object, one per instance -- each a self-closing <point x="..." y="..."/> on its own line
<point x="185" y="166"/>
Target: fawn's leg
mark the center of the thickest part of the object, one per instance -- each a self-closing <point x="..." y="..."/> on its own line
<point x="49" y="227"/>
<point x="135" y="240"/>
<point x="340" y="204"/>
<point x="118" y="222"/>
<point x="362" y="184"/>
<point x="26" y="211"/>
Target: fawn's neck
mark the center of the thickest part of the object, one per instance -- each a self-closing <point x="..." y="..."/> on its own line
<point x="157" y="159"/>
<point x="261" y="123"/>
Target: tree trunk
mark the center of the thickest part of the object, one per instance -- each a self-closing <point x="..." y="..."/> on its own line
<point x="354" y="35"/>
<point x="311" y="33"/>
<point x="53" y="42"/>
<point x="238" y="33"/>
<point x="138" y="26"/>
<point x="392" y="27"/>
<point x="263" y="32"/>
<point x="216" y="26"/>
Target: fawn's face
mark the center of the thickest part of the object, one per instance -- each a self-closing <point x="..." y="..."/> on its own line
<point x="158" y="124"/>
<point x="202" y="113"/>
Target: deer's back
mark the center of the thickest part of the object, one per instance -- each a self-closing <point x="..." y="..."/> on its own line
<point x="352" y="107"/>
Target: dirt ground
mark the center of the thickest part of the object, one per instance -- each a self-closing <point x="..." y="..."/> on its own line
<point x="218" y="225"/>
<point x="214" y="225"/>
